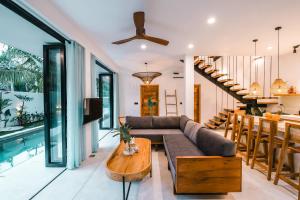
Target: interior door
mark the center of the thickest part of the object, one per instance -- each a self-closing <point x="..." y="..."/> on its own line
<point x="106" y="93"/>
<point x="149" y="100"/>
<point x="197" y="103"/>
<point x="55" y="105"/>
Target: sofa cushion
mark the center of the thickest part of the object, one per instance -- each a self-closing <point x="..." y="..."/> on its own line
<point x="193" y="133"/>
<point x="180" y="145"/>
<point x="213" y="144"/>
<point x="139" y="122"/>
<point x="166" y="122"/>
<point x="188" y="128"/>
<point x="183" y="120"/>
<point x="155" y="131"/>
<point x="155" y="135"/>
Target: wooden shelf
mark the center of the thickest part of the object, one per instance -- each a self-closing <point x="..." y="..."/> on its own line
<point x="286" y="95"/>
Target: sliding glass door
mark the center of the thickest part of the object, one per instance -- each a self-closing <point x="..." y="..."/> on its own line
<point x="55" y="105"/>
<point x="106" y="93"/>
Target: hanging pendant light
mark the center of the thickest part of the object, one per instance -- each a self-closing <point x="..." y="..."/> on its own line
<point x="255" y="88"/>
<point x="279" y="86"/>
<point x="146" y="77"/>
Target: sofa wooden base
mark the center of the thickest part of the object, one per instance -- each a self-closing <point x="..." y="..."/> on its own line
<point x="208" y="174"/>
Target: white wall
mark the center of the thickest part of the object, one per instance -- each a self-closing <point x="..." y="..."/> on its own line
<point x="53" y="15"/>
<point x="130" y="91"/>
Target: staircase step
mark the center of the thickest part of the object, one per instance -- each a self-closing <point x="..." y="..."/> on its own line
<point x="243" y="92"/>
<point x="223" y="114"/>
<point x="218" y="75"/>
<point x="229" y="110"/>
<point x="266" y="101"/>
<point x="211" y="71"/>
<point x="208" y="125"/>
<point x="205" y="66"/>
<point x="198" y="62"/>
<point x="225" y="80"/>
<point x="249" y="97"/>
<point x="242" y="106"/>
<point x="231" y="84"/>
<point x="235" y="89"/>
<point x="218" y="123"/>
<point x="220" y="118"/>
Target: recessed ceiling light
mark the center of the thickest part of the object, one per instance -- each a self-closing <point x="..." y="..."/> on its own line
<point x="143" y="46"/>
<point x="211" y="20"/>
<point x="269" y="48"/>
<point x="191" y="46"/>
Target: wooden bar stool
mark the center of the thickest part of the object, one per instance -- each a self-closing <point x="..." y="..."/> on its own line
<point x="246" y="129"/>
<point x="228" y="124"/>
<point x="291" y="137"/>
<point x="267" y="132"/>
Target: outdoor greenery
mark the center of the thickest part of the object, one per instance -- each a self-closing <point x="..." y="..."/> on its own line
<point x="4" y="103"/>
<point x="20" y="70"/>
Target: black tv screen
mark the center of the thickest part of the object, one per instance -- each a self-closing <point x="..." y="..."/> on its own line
<point x="92" y="109"/>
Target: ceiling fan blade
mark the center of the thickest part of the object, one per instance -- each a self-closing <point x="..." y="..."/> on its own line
<point x="156" y="40"/>
<point x="139" y="20"/>
<point x="125" y="40"/>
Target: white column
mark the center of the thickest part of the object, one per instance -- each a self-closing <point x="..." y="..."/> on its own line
<point x="189" y="86"/>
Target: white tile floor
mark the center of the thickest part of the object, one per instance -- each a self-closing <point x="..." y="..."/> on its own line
<point x="24" y="180"/>
<point x="90" y="182"/>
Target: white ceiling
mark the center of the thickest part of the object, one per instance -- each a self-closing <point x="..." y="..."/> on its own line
<point x="182" y="22"/>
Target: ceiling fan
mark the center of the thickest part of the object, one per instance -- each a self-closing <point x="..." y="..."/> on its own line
<point x="139" y="21"/>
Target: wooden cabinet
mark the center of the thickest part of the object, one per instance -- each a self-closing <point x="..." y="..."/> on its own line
<point x="149" y="91"/>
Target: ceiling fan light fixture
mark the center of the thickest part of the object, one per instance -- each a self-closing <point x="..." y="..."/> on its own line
<point x="191" y="46"/>
<point x="211" y="20"/>
<point x="143" y="46"/>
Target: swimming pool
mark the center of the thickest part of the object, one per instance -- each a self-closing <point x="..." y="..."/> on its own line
<point x="17" y="151"/>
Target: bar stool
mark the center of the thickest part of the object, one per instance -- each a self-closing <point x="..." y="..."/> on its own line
<point x="267" y="132"/>
<point x="228" y="124"/>
<point x="291" y="137"/>
<point x="246" y="129"/>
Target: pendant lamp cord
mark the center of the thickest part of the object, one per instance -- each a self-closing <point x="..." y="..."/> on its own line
<point x="278" y="28"/>
<point x="264" y="75"/>
<point x="270" y="75"/>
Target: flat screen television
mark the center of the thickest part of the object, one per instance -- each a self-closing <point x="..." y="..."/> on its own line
<point x="92" y="109"/>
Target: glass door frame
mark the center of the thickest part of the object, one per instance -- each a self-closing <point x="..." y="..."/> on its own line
<point x="111" y="98"/>
<point x="46" y="69"/>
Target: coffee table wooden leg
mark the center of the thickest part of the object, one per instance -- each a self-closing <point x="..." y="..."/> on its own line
<point x="125" y="194"/>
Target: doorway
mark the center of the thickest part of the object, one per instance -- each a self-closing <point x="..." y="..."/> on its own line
<point x="197" y="107"/>
<point x="106" y="94"/>
<point x="149" y="100"/>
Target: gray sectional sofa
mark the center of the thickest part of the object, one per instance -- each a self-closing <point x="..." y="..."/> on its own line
<point x="200" y="160"/>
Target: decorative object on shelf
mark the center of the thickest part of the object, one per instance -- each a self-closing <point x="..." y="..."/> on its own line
<point x="255" y="88"/>
<point x="292" y="90"/>
<point x="147" y="77"/>
<point x="123" y="131"/>
<point x="279" y="86"/>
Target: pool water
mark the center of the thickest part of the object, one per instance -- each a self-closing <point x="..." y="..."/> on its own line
<point x="17" y="151"/>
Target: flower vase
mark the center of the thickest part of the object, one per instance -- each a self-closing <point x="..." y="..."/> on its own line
<point x="128" y="151"/>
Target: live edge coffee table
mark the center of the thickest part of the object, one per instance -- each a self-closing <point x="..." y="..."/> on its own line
<point x="130" y="168"/>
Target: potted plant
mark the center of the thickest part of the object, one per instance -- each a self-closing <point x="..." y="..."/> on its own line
<point x="123" y="132"/>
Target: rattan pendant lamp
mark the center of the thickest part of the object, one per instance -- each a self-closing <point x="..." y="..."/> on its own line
<point x="278" y="86"/>
<point x="255" y="88"/>
<point x="146" y="77"/>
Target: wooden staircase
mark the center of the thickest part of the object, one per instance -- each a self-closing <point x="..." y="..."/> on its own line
<point x="227" y="84"/>
<point x="219" y="119"/>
